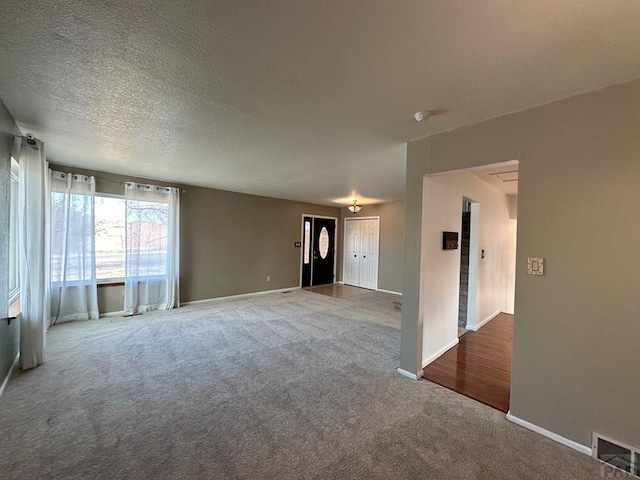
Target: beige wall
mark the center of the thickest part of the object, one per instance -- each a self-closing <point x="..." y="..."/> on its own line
<point x="230" y="242"/>
<point x="575" y="350"/>
<point x="391" y="242"/>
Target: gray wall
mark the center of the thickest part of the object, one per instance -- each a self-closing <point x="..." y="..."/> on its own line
<point x="575" y="352"/>
<point x="229" y="241"/>
<point x="391" y="242"/>
<point x="9" y="334"/>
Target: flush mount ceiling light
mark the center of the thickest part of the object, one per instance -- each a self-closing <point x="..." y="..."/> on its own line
<point x="422" y="116"/>
<point x="354" y="207"/>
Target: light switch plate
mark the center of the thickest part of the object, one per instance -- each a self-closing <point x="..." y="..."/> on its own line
<point x="535" y="266"/>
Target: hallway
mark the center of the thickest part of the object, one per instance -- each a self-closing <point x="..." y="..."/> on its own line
<point x="479" y="367"/>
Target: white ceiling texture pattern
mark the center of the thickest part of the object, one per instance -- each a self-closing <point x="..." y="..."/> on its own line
<point x="305" y="100"/>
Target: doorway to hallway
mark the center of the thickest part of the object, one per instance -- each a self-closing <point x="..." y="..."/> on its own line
<point x="468" y="304"/>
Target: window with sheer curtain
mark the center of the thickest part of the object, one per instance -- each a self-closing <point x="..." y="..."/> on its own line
<point x="152" y="248"/>
<point x="14" y="241"/>
<point x="72" y="247"/>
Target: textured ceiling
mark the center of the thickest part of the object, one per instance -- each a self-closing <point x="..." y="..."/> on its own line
<point x="308" y="100"/>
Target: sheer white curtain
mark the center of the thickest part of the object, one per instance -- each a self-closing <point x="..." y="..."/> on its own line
<point x="151" y="248"/>
<point x="34" y="253"/>
<point x="74" y="293"/>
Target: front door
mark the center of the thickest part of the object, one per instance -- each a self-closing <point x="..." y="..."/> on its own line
<point x="324" y="244"/>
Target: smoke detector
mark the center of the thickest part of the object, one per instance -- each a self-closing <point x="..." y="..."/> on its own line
<point x="422" y="116"/>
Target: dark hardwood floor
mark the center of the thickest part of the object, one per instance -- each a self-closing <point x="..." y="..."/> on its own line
<point x="480" y="365"/>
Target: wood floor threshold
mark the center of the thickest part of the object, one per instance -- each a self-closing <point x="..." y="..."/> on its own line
<point x="479" y="367"/>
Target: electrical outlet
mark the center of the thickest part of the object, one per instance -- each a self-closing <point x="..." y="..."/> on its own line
<point x="268" y="278"/>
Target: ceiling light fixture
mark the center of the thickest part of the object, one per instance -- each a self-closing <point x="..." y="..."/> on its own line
<point x="354" y="207"/>
<point x="422" y="116"/>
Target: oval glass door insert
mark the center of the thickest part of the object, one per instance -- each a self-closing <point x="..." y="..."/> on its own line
<point x="323" y="242"/>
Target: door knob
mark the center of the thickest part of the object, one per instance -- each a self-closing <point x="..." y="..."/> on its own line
<point x="355" y="255"/>
<point x="364" y="256"/>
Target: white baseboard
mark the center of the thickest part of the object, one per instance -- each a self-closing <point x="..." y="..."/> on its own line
<point x="490" y="317"/>
<point x="241" y="295"/>
<point x="389" y="291"/>
<point x="431" y="358"/>
<point x="112" y="314"/>
<point x="6" y="379"/>
<point x="412" y="376"/>
<point x="553" y="436"/>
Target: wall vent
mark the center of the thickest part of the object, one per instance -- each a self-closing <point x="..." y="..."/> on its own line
<point x="615" y="456"/>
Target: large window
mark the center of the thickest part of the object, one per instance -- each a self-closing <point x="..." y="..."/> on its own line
<point x="14" y="241"/>
<point x="147" y="237"/>
<point x="147" y="232"/>
<point x="110" y="230"/>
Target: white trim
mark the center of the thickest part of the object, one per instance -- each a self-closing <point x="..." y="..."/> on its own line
<point x="431" y="358"/>
<point x="388" y="291"/>
<point x="513" y="162"/>
<point x="490" y="317"/>
<point x="6" y="379"/>
<point x="412" y="376"/>
<point x="553" y="436"/>
<point x="241" y="295"/>
<point x="112" y="314"/>
<point x="205" y="300"/>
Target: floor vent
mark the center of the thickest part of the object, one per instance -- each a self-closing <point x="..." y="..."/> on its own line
<point x="615" y="456"/>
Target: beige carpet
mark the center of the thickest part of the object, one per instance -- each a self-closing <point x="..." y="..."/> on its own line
<point x="286" y="385"/>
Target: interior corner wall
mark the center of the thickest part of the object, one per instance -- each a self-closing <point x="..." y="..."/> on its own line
<point x="576" y="329"/>
<point x="9" y="334"/>
<point x="390" y="255"/>
<point x="442" y="211"/>
<point x="230" y="242"/>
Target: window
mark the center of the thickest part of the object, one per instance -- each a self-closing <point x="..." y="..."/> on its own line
<point x="110" y="230"/>
<point x="147" y="230"/>
<point x="14" y="241"/>
<point x="147" y="237"/>
<point x="307" y="242"/>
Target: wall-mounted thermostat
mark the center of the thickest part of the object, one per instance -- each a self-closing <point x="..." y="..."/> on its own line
<point x="449" y="240"/>
<point x="535" y="266"/>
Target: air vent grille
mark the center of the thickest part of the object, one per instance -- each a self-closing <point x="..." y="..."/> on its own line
<point x="616" y="455"/>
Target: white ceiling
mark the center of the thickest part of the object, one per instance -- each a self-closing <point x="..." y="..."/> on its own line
<point x="305" y="100"/>
<point x="503" y="177"/>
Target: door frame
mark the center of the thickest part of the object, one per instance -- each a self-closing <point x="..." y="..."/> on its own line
<point x="335" y="250"/>
<point x="344" y="245"/>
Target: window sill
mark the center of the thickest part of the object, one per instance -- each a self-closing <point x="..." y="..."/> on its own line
<point x="110" y="284"/>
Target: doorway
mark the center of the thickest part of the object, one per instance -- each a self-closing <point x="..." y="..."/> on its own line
<point x="469" y="244"/>
<point x="318" y="263"/>
<point x="465" y="236"/>
<point x="361" y="245"/>
<point x="480" y="203"/>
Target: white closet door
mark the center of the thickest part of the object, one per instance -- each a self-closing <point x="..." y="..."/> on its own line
<point x="361" y="253"/>
<point x="369" y="249"/>
<point x="352" y="253"/>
